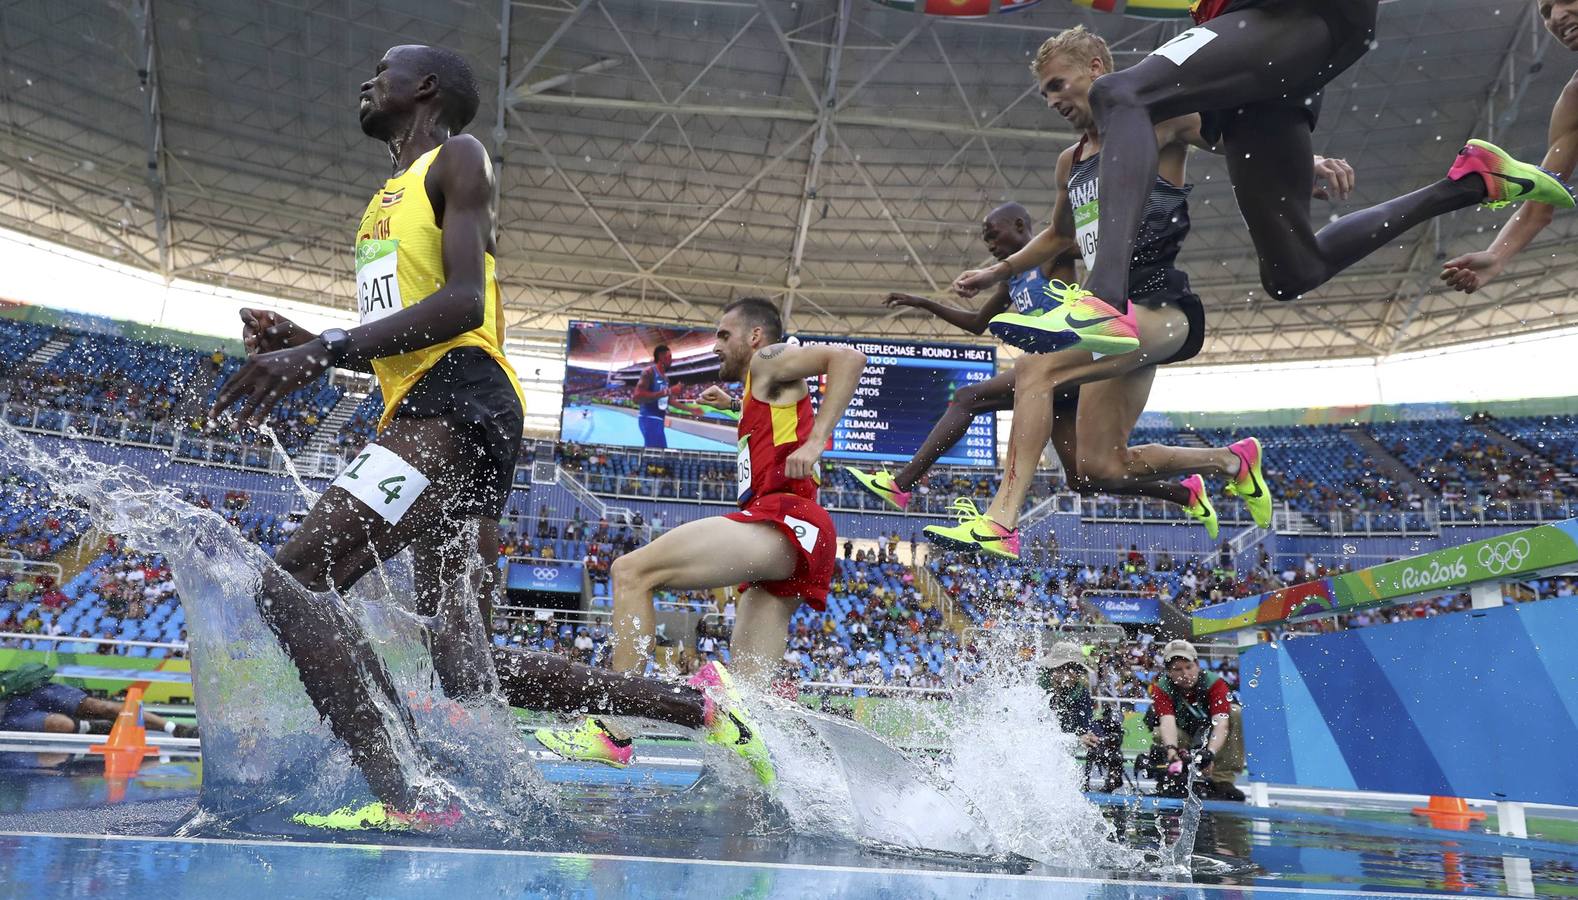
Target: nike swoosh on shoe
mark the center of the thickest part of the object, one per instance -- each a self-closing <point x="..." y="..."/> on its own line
<point x="1087" y="323"/>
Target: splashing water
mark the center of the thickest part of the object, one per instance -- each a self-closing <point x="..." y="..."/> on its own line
<point x="264" y="744"/>
<point x="1006" y="784"/>
<point x="307" y="493"/>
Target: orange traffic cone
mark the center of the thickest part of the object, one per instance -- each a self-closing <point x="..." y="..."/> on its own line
<point x="127" y="744"/>
<point x="1449" y="813"/>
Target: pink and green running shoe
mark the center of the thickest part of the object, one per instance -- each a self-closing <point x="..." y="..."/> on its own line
<point x="883" y="486"/>
<point x="1250" y="485"/>
<point x="975" y="533"/>
<point x="1507" y="180"/>
<point x="1082" y="321"/>
<point x="1200" y="508"/>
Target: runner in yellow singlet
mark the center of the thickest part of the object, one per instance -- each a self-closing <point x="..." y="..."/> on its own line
<point x="437" y="476"/>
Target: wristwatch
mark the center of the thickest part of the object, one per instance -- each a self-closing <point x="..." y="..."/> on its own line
<point x="337" y="341"/>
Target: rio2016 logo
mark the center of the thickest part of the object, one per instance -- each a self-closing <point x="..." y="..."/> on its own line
<point x="1434" y="574"/>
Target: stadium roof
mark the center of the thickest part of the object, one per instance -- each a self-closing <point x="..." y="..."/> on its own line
<point x="660" y="157"/>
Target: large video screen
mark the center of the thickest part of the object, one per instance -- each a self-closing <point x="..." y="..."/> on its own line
<point x="902" y="394"/>
<point x="616" y="393"/>
<point x="637" y="386"/>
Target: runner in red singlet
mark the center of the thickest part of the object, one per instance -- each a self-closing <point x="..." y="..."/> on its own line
<point x="779" y="546"/>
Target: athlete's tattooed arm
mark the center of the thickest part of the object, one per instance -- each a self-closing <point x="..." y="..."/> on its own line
<point x="786" y="367"/>
<point x="1472" y="271"/>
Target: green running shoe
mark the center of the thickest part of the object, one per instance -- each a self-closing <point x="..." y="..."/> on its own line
<point x="1200" y="508"/>
<point x="728" y="724"/>
<point x="1250" y="485"/>
<point x="1081" y="320"/>
<point x="882" y="484"/>
<point x="591" y="742"/>
<point x="375" y="816"/>
<point x="975" y="533"/>
<point x="1507" y="180"/>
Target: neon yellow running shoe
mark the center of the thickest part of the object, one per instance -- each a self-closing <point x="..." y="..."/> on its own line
<point x="975" y="533"/>
<point x="1507" y="180"/>
<point x="375" y="816"/>
<point x="1061" y="292"/>
<point x="1250" y="485"/>
<point x="728" y="724"/>
<point x="882" y="484"/>
<point x="591" y="742"/>
<point x="1200" y="508"/>
<point x="1081" y="320"/>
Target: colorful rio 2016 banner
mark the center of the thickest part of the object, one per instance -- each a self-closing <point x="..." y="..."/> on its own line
<point x="1143" y="9"/>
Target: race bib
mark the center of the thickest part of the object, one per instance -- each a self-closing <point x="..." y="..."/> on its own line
<point x="377" y="279"/>
<point x="742" y="468"/>
<point x="1087" y="224"/>
<point x="383" y="481"/>
<point x="662" y="403"/>
<point x="804" y="533"/>
<point x="1185" y="45"/>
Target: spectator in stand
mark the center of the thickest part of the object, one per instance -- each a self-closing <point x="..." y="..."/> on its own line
<point x="1191" y="708"/>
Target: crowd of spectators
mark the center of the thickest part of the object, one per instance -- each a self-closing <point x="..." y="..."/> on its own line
<point x="878" y="628"/>
<point x="148" y="388"/>
<point x="121" y="595"/>
<point x="1463" y="464"/>
<point x="35" y="523"/>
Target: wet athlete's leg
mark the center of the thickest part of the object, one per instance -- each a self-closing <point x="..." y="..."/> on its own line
<point x="341" y="540"/>
<point x="1043" y="376"/>
<point x="1255" y="54"/>
<point x="707" y="553"/>
<point x="1065" y="433"/>
<point x="761" y="633"/>
<point x="456" y="574"/>
<point x="1106" y="420"/>
<point x="1265" y="154"/>
<point x="991" y="395"/>
<point x="550" y="681"/>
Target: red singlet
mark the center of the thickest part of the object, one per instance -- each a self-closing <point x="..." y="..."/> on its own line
<point x="768" y="434"/>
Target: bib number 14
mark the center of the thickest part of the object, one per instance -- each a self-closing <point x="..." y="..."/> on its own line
<point x="383" y="481"/>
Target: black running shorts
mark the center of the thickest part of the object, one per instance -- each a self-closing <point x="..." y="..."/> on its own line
<point x="1194" y="312"/>
<point x="470" y="390"/>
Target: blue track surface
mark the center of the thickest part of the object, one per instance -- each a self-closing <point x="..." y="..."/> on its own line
<point x="59" y="837"/>
<point x="166" y="868"/>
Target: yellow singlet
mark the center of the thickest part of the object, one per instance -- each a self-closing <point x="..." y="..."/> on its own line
<point x="400" y="261"/>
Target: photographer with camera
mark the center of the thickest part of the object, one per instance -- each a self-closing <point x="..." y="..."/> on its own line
<point x="1190" y="707"/>
<point x="1065" y="676"/>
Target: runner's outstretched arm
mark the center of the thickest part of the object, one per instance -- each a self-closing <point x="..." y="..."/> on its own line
<point x="972" y="320"/>
<point x="1472" y="271"/>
